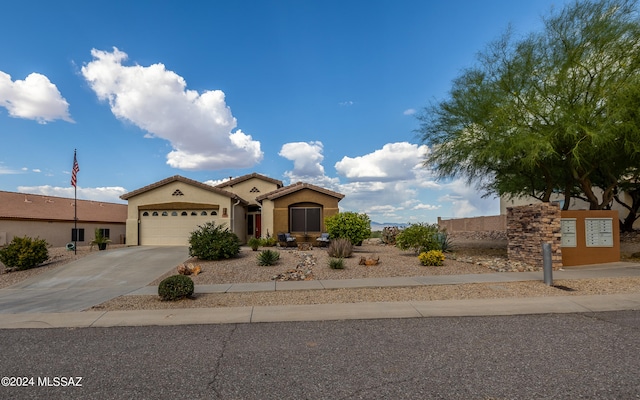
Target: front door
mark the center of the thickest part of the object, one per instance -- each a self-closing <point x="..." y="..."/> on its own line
<point x="258" y="225"/>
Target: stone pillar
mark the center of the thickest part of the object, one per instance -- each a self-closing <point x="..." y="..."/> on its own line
<point x="528" y="227"/>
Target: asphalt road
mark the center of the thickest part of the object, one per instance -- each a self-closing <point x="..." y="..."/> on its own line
<point x="509" y="357"/>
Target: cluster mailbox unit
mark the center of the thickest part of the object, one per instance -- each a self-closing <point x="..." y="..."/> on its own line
<point x="590" y="237"/>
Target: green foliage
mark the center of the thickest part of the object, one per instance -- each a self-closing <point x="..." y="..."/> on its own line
<point x="550" y="112"/>
<point x="254" y="243"/>
<point x="268" y="241"/>
<point x="336" y="263"/>
<point x="349" y="225"/>
<point x="419" y="237"/>
<point x="340" y="248"/>
<point x="24" y="253"/>
<point x="444" y="242"/>
<point x="432" y="258"/>
<point x="175" y="287"/>
<point x="211" y="242"/>
<point x="376" y="235"/>
<point x="268" y="257"/>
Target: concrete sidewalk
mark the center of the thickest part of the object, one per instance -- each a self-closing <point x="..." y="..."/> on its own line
<point x="413" y="309"/>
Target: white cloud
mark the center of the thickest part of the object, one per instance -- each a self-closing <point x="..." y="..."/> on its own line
<point x="409" y="111"/>
<point x="466" y="201"/>
<point x="307" y="160"/>
<point x="426" y="207"/>
<point x="34" y="98"/>
<point x="106" y="194"/>
<point x="346" y="103"/>
<point x="395" y="161"/>
<point x="200" y="127"/>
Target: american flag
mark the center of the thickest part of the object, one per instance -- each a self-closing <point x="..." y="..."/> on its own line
<point x="74" y="171"/>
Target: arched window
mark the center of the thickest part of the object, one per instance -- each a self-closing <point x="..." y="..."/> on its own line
<point x="184" y="213"/>
<point x="155" y="214"/>
<point x="194" y="213"/>
<point x="174" y="214"/>
<point x="145" y="214"/>
<point x="203" y="213"/>
<point x="213" y="213"/>
<point x="164" y="213"/>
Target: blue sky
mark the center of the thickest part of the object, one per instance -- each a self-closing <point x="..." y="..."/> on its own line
<point x="319" y="91"/>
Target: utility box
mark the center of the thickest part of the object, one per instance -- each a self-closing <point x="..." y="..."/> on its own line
<point x="590" y="237"/>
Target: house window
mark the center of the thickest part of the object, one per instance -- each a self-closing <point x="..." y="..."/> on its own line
<point x="77" y="235"/>
<point x="184" y="214"/>
<point x="304" y="219"/>
<point x="145" y="214"/>
<point x="174" y="214"/>
<point x="164" y="213"/>
<point x="203" y="213"/>
<point x="213" y="213"/>
<point x="104" y="233"/>
<point x="155" y="214"/>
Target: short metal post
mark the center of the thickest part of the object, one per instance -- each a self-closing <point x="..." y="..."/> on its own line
<point x="547" y="264"/>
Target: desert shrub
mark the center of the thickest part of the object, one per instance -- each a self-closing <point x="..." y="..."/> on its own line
<point x="175" y="287"/>
<point x="268" y="242"/>
<point x="389" y="234"/>
<point x="419" y="237"/>
<point x="444" y="242"/>
<point x="340" y="248"/>
<point x="268" y="257"/>
<point x="213" y="242"/>
<point x="349" y="225"/>
<point x="336" y="263"/>
<point x="24" y="253"/>
<point x="432" y="258"/>
<point x="254" y="243"/>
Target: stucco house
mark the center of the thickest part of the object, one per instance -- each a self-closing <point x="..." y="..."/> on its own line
<point x="52" y="219"/>
<point x="253" y="205"/>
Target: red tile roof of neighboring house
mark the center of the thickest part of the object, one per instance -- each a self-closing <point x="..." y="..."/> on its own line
<point x="178" y="178"/>
<point x="50" y="208"/>
<point x="296" y="187"/>
<point x="243" y="178"/>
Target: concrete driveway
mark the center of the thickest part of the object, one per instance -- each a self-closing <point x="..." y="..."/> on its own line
<point x="91" y="280"/>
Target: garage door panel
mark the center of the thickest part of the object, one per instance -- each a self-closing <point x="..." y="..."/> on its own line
<point x="170" y="230"/>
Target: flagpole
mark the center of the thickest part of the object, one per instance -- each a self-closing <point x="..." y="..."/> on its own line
<point x="75" y="203"/>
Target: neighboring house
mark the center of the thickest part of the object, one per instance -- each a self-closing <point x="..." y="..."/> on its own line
<point x="52" y="219"/>
<point x="254" y="205"/>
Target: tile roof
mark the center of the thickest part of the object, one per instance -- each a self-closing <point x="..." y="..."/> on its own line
<point x="50" y="208"/>
<point x="296" y="187"/>
<point x="243" y="178"/>
<point x="178" y="178"/>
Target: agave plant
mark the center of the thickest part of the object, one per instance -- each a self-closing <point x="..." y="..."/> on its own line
<point x="268" y="257"/>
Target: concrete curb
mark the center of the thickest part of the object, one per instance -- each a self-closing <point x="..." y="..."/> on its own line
<point x="326" y="312"/>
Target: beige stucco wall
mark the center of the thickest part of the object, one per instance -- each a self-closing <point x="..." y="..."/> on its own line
<point x="304" y="197"/>
<point x="57" y="233"/>
<point x="243" y="189"/>
<point x="193" y="197"/>
<point x="267" y="218"/>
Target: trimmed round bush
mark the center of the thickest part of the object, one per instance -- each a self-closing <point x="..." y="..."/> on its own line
<point x="175" y="287"/>
<point x="349" y="225"/>
<point x="434" y="258"/>
<point x="24" y="253"/>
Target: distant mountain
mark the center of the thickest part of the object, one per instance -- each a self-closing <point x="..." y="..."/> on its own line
<point x="378" y="226"/>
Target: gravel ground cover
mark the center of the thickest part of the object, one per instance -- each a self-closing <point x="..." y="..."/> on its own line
<point x="473" y="254"/>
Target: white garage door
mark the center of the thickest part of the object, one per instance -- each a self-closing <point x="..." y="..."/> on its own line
<point x="172" y="227"/>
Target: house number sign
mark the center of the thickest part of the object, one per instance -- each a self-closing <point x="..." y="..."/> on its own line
<point x="599" y="232"/>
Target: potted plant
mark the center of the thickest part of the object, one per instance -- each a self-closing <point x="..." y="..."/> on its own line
<point x="100" y="240"/>
<point x="254" y="243"/>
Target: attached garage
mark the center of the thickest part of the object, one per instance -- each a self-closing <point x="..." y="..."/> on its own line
<point x="162" y="226"/>
<point x="166" y="212"/>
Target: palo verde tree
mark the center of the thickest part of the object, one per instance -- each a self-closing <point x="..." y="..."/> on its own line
<point x="554" y="112"/>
